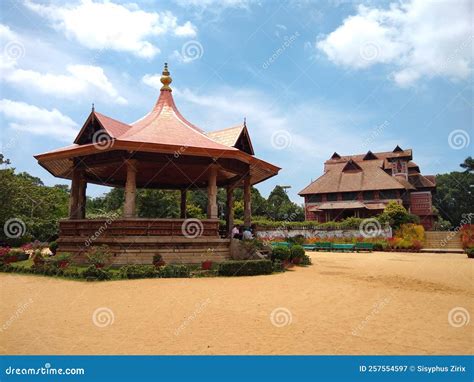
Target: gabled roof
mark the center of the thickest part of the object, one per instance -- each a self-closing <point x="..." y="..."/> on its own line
<point x="370" y="155"/>
<point x="370" y="177"/>
<point x="112" y="127"/>
<point x="380" y="155"/>
<point x="236" y="136"/>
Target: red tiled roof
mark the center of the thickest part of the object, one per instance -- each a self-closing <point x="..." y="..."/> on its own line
<point x="113" y="127"/>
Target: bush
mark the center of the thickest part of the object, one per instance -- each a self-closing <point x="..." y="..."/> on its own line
<point x="158" y="260"/>
<point x="53" y="247"/>
<point x="467" y="235"/>
<point x="99" y="256"/>
<point x="296" y="240"/>
<point x="38" y="259"/>
<point x="96" y="273"/>
<point x="280" y="253"/>
<point x="60" y="261"/>
<point x="296" y="254"/>
<point x="470" y="252"/>
<point x="305" y="260"/>
<point x="137" y="271"/>
<point x="245" y="268"/>
<point x="173" y="270"/>
<point x="278" y="266"/>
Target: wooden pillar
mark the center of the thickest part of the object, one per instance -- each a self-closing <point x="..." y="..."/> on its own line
<point x="183" y="204"/>
<point x="212" y="193"/>
<point x="130" y="189"/>
<point x="229" y="218"/>
<point x="77" y="197"/>
<point x="247" y="205"/>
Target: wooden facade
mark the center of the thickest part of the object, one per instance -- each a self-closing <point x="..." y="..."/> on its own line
<point x="362" y="185"/>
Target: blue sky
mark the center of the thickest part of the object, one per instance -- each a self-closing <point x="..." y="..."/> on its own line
<point x="310" y="77"/>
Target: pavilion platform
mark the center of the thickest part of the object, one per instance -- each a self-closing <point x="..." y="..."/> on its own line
<point x="136" y="241"/>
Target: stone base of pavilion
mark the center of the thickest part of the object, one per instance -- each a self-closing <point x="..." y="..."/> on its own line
<point x="136" y="241"/>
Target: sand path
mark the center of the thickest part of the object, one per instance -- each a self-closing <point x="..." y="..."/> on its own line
<point x="375" y="303"/>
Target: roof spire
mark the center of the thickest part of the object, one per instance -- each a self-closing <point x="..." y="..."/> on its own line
<point x="93" y="108"/>
<point x="166" y="79"/>
<point x="245" y="121"/>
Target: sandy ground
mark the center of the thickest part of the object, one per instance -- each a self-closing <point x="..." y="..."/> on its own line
<point x="375" y="303"/>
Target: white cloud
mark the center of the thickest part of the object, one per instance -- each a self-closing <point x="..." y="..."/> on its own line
<point x="106" y="25"/>
<point x="85" y="80"/>
<point x="418" y="38"/>
<point x="38" y="121"/>
<point x="152" y="80"/>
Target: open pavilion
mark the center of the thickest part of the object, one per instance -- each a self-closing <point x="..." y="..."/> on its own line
<point x="162" y="150"/>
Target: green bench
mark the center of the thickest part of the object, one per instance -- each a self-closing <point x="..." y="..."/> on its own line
<point x="343" y="247"/>
<point x="364" y="247"/>
<point x="322" y="246"/>
<point x="280" y="244"/>
<point x="309" y="247"/>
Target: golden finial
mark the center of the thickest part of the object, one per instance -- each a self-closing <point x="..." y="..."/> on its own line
<point x="166" y="79"/>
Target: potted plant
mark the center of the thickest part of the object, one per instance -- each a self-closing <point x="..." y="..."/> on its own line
<point x="206" y="265"/>
<point x="158" y="260"/>
<point x="99" y="256"/>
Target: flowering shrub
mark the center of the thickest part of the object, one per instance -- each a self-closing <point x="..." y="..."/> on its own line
<point x="99" y="256"/>
<point x="467" y="236"/>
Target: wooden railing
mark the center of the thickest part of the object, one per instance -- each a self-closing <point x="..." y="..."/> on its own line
<point x="191" y="228"/>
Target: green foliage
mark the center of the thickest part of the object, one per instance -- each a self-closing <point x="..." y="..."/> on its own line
<point x="39" y="207"/>
<point x="53" y="247"/>
<point x="245" y="268"/>
<point x="173" y="270"/>
<point x="60" y="260"/>
<point x="137" y="271"/>
<point x="297" y="253"/>
<point x="470" y="252"/>
<point x="451" y="198"/>
<point x="298" y="239"/>
<point x="158" y="204"/>
<point x="468" y="164"/>
<point x="99" y="255"/>
<point x="281" y="254"/>
<point x="278" y="266"/>
<point x="306" y="260"/>
<point x="280" y="207"/>
<point x="96" y="273"/>
<point x="395" y="215"/>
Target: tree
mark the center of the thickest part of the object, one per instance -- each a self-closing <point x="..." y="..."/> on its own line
<point x="395" y="215"/>
<point x="454" y="196"/>
<point x="280" y="207"/>
<point x="468" y="164"/>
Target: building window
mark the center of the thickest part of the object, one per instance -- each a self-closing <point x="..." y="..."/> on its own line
<point x="349" y="196"/>
<point x="332" y="197"/>
<point x="314" y="198"/>
<point x="388" y="194"/>
<point x="368" y="195"/>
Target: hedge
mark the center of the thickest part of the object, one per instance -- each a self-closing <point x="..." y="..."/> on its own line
<point x="245" y="268"/>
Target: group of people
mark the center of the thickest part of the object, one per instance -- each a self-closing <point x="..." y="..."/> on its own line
<point x="243" y="233"/>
